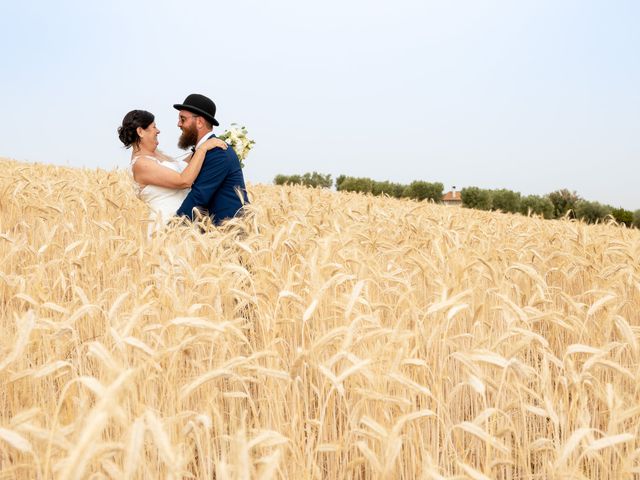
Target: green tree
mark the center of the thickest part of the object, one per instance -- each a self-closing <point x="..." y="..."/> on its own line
<point x="287" y="180"/>
<point x="636" y="219"/>
<point x="505" y="200"/>
<point x="474" y="197"/>
<point x="355" y="184"/>
<point x="563" y="201"/>
<point x="280" y="179"/>
<point x="536" y="205"/>
<point x="314" y="179"/>
<point x="623" y="216"/>
<point x="592" y="212"/>
<point x="419" y="190"/>
<point x="387" y="188"/>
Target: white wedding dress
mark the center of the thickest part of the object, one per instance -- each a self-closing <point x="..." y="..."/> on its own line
<point x="163" y="202"/>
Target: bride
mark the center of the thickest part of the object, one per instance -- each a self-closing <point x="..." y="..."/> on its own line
<point x="159" y="180"/>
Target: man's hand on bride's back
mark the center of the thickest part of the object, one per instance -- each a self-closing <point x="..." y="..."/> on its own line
<point x="214" y="143"/>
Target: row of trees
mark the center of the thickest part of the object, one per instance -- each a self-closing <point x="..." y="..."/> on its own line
<point x="417" y="190"/>
<point x="553" y="205"/>
<point x="314" y="179"/>
<point x="556" y="204"/>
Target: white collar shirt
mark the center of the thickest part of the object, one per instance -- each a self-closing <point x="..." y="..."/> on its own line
<point x="204" y="138"/>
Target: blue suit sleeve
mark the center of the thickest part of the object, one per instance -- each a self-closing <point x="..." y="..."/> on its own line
<point x="212" y="174"/>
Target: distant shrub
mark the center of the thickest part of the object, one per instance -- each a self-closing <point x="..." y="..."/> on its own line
<point x="420" y="190"/>
<point x="623" y="216"/>
<point x="636" y="219"/>
<point x="474" y="197"/>
<point x="591" y="212"/>
<point x="537" y="205"/>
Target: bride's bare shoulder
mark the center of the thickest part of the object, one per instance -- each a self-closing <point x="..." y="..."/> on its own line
<point x="143" y="161"/>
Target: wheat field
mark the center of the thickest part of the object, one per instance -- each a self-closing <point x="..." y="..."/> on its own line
<point x="323" y="336"/>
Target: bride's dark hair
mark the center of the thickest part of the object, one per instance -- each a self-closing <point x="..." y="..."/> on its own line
<point x="131" y="121"/>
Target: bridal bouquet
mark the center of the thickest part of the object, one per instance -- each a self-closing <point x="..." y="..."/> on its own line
<point x="237" y="138"/>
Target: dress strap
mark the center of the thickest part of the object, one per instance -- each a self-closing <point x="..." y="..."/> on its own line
<point x="135" y="159"/>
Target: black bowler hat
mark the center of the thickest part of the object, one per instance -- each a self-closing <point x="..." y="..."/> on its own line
<point x="201" y="105"/>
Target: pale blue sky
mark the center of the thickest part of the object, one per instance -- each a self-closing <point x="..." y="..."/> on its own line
<point x="528" y="95"/>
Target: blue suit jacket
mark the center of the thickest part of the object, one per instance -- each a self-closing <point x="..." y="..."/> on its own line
<point x="216" y="187"/>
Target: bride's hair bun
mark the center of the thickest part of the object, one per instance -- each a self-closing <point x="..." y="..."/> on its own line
<point x="127" y="132"/>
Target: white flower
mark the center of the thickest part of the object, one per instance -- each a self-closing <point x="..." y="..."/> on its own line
<point x="237" y="138"/>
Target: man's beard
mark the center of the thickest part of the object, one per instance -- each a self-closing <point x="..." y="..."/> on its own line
<point x="189" y="138"/>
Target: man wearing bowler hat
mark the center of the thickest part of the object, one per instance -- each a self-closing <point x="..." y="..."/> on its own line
<point x="219" y="189"/>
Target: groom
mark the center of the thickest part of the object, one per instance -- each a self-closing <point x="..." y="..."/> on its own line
<point x="219" y="189"/>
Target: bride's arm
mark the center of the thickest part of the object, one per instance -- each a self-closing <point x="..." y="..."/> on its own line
<point x="148" y="172"/>
<point x="213" y="143"/>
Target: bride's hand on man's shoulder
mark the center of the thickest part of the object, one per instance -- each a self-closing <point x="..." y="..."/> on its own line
<point x="214" y="143"/>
